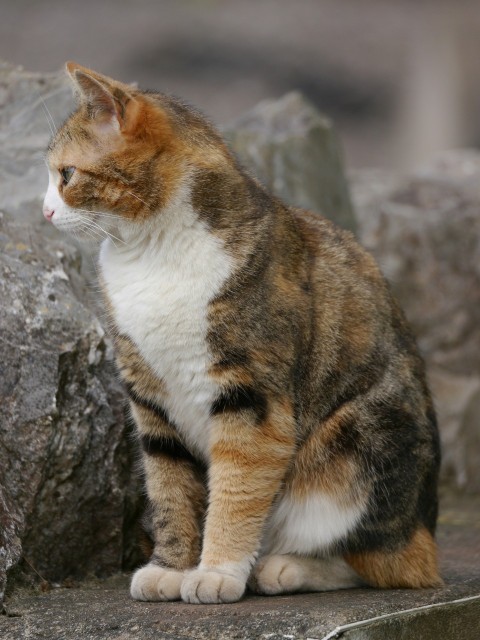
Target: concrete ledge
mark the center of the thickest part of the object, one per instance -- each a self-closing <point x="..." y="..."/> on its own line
<point x="441" y="620"/>
<point x="103" y="610"/>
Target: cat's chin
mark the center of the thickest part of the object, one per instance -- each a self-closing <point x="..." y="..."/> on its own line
<point x="84" y="230"/>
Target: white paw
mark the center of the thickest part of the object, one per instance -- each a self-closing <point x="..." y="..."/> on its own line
<point x="211" y="587"/>
<point x="153" y="583"/>
<point x="276" y="574"/>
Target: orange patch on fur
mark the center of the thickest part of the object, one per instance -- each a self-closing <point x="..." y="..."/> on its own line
<point x="413" y="567"/>
<point x="233" y="375"/>
<point x="320" y="468"/>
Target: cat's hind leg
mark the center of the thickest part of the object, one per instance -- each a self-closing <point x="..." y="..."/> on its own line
<point x="288" y="573"/>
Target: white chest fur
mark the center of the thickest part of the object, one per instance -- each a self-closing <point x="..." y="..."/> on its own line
<point x="160" y="289"/>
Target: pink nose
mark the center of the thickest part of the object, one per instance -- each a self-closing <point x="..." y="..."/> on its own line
<point x="48" y="213"/>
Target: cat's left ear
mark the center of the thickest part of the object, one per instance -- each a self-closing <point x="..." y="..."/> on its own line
<point x="107" y="102"/>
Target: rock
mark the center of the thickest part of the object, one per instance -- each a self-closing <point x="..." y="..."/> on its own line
<point x="425" y="233"/>
<point x="11" y="524"/>
<point x="67" y="487"/>
<point x="458" y="405"/>
<point x="294" y="151"/>
<point x="22" y="137"/>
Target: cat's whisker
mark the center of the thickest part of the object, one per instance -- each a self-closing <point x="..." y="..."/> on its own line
<point x="86" y="225"/>
<point x="85" y="230"/>
<point x="100" y="230"/>
<point x="98" y="213"/>
<point x="48" y="115"/>
<point x="83" y="218"/>
<point x="111" y="216"/>
<point x="138" y="198"/>
<point x="109" y="233"/>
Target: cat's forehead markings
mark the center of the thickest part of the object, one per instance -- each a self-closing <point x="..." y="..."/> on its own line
<point x="77" y="152"/>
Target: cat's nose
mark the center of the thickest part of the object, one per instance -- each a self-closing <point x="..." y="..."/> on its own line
<point x="48" y="213"/>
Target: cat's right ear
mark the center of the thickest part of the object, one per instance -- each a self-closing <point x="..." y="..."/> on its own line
<point x="107" y="103"/>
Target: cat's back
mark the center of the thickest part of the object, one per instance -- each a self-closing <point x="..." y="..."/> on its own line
<point x="338" y="260"/>
<point x="350" y="297"/>
<point x="361" y="342"/>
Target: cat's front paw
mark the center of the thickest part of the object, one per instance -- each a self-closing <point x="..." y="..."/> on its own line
<point x="204" y="586"/>
<point x="153" y="583"/>
<point x="276" y="574"/>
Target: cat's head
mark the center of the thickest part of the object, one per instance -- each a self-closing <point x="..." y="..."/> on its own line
<point x="121" y="156"/>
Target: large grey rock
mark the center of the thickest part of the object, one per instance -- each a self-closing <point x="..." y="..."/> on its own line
<point x="294" y="151"/>
<point x="425" y="232"/>
<point x="11" y="524"/>
<point x="66" y="486"/>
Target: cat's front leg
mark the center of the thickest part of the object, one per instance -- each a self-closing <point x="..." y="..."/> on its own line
<point x="252" y="445"/>
<point x="177" y="498"/>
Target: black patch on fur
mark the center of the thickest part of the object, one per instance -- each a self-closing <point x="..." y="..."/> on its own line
<point x="395" y="450"/>
<point x="241" y="398"/>
<point x="170" y="447"/>
<point x="155" y="408"/>
<point x="348" y="441"/>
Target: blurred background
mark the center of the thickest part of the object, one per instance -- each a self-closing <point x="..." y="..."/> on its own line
<point x="399" y="77"/>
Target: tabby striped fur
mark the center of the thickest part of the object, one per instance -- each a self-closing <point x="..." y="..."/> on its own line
<point x="288" y="435"/>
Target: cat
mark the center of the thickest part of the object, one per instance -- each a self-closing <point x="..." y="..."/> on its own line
<point x="288" y="436"/>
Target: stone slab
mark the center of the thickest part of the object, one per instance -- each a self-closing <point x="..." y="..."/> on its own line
<point x="104" y="609"/>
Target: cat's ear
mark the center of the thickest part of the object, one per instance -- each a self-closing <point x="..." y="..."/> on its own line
<point x="107" y="102"/>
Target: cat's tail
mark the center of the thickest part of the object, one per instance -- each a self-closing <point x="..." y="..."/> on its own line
<point x="413" y="566"/>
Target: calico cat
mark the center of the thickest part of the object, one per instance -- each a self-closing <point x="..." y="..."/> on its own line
<point x="289" y="438"/>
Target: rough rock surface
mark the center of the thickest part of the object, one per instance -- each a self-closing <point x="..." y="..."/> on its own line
<point x="294" y="151"/>
<point x="68" y="490"/>
<point x="425" y="233"/>
<point x="66" y="487"/>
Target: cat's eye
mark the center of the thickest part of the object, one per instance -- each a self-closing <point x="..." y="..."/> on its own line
<point x="67" y="173"/>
